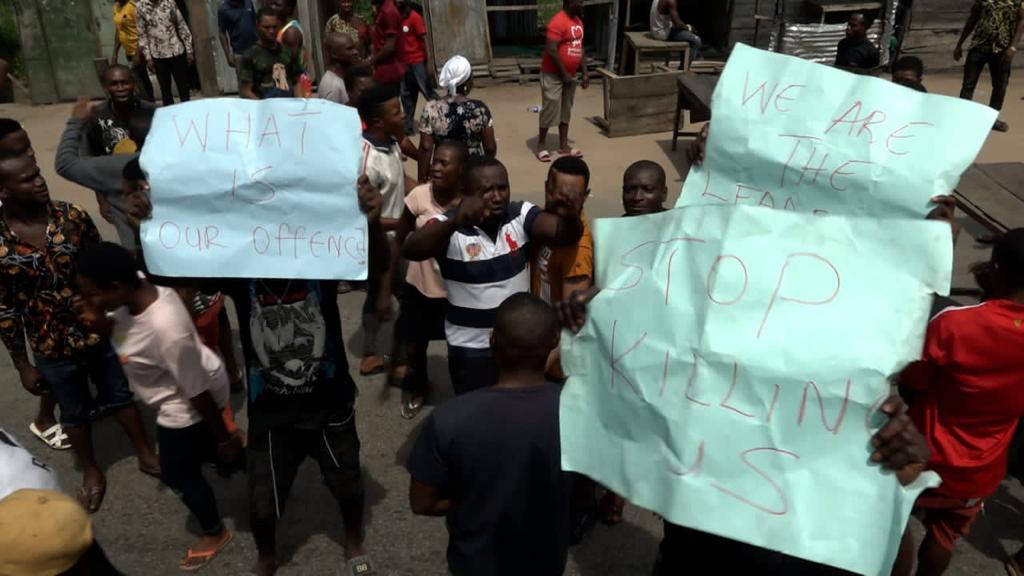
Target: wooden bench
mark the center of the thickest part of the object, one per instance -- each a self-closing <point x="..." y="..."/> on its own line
<point x="640" y="43"/>
<point x="639" y="104"/>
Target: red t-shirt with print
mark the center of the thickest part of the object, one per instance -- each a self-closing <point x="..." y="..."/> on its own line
<point x="415" y="33"/>
<point x="568" y="32"/>
<point x="970" y="384"/>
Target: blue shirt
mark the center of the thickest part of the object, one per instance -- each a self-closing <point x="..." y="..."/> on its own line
<point x="239" y="22"/>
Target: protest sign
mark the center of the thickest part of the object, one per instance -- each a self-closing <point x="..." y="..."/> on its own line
<point x="730" y="370"/>
<point x="255" y="189"/>
<point x="793" y="135"/>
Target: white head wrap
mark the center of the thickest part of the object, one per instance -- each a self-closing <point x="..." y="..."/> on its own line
<point x="455" y="73"/>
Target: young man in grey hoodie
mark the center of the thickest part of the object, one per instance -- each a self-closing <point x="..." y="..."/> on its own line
<point x="101" y="174"/>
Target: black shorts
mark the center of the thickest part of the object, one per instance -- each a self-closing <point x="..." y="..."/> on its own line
<point x="274" y="456"/>
<point x="422" y="318"/>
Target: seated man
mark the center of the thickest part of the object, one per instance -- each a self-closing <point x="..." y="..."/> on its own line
<point x="490" y="461"/>
<point x="666" y="25"/>
<point x="968" y="404"/>
<point x="856" y="51"/>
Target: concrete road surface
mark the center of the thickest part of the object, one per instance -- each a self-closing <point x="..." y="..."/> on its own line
<point x="145" y="529"/>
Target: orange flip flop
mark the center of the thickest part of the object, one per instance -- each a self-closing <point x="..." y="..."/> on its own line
<point x="196" y="560"/>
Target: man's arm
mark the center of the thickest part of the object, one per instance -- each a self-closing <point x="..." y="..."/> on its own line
<point x="673" y="12"/>
<point x="1018" y="31"/>
<point x="551" y="47"/>
<point x="426" y="500"/>
<point x="117" y="48"/>
<point x="184" y="34"/>
<point x="98" y="173"/>
<point x="559" y="229"/>
<point x="245" y="91"/>
<point x="12" y="332"/>
<point x="423" y="164"/>
<point x="246" y="75"/>
<point x="972" y="21"/>
<point x="386" y="51"/>
<point x="225" y="44"/>
<point x="429" y="241"/>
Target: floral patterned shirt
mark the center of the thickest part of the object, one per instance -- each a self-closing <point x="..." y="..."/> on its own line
<point x="37" y="287"/>
<point x="996" y="25"/>
<point x="163" y="32"/>
<point x="457" y="120"/>
<point x="357" y="31"/>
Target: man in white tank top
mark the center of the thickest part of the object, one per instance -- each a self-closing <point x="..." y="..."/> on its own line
<point x="666" y="25"/>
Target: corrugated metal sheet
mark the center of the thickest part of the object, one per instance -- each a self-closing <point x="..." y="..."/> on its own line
<point x="817" y="42"/>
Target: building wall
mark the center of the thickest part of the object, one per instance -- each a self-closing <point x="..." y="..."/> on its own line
<point x="934" y="30"/>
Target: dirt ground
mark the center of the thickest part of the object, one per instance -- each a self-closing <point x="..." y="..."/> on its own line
<point x="145" y="529"/>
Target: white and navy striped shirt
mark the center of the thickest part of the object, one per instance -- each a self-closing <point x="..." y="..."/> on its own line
<point x="480" y="273"/>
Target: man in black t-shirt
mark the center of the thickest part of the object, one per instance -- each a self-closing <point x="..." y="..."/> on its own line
<point x="856" y="51"/>
<point x="490" y="460"/>
<point x="268" y="69"/>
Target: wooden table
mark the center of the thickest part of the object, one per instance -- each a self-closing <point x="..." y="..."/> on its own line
<point x="829" y="6"/>
<point x="993" y="195"/>
<point x="694" y="94"/>
<point x="640" y="42"/>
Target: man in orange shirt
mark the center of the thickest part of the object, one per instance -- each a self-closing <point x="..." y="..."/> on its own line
<point x="563" y="57"/>
<point x="557" y="271"/>
<point x="968" y="401"/>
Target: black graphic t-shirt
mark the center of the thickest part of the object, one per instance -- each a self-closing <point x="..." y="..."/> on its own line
<point x="110" y="133"/>
<point x="294" y="352"/>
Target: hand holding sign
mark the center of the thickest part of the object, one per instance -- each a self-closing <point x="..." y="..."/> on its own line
<point x="741" y="398"/>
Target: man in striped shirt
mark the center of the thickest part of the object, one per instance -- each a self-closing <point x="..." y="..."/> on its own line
<point x="482" y="250"/>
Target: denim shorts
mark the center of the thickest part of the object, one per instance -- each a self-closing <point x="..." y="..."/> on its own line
<point x="68" y="380"/>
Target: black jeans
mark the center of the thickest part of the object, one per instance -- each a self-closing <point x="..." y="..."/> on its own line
<point x="176" y="67"/>
<point x="182" y="454"/>
<point x="997" y="67"/>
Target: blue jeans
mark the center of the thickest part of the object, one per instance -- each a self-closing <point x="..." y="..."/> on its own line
<point x="415" y="82"/>
<point x="680" y="35"/>
<point x="68" y="381"/>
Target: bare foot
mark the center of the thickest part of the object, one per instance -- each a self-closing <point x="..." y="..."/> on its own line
<point x="265" y="566"/>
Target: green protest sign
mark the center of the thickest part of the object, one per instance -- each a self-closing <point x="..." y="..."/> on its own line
<point x="794" y="135"/>
<point x="730" y="370"/>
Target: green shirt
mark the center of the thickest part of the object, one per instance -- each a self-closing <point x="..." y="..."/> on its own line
<point x="996" y="24"/>
<point x="273" y="73"/>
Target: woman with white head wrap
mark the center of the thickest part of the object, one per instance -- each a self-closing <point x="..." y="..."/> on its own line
<point x="456" y="117"/>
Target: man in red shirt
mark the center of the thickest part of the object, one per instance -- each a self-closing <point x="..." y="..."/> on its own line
<point x="563" y="56"/>
<point x="417" y="79"/>
<point x="388" y="44"/>
<point x="969" y="396"/>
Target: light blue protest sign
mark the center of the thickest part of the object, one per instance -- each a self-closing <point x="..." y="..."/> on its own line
<point x="255" y="189"/>
<point x="793" y="135"/>
<point x="730" y="370"/>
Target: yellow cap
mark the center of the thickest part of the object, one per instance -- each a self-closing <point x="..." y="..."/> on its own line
<point x="42" y="533"/>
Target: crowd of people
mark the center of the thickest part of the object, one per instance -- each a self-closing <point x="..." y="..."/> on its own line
<point x="493" y="277"/>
